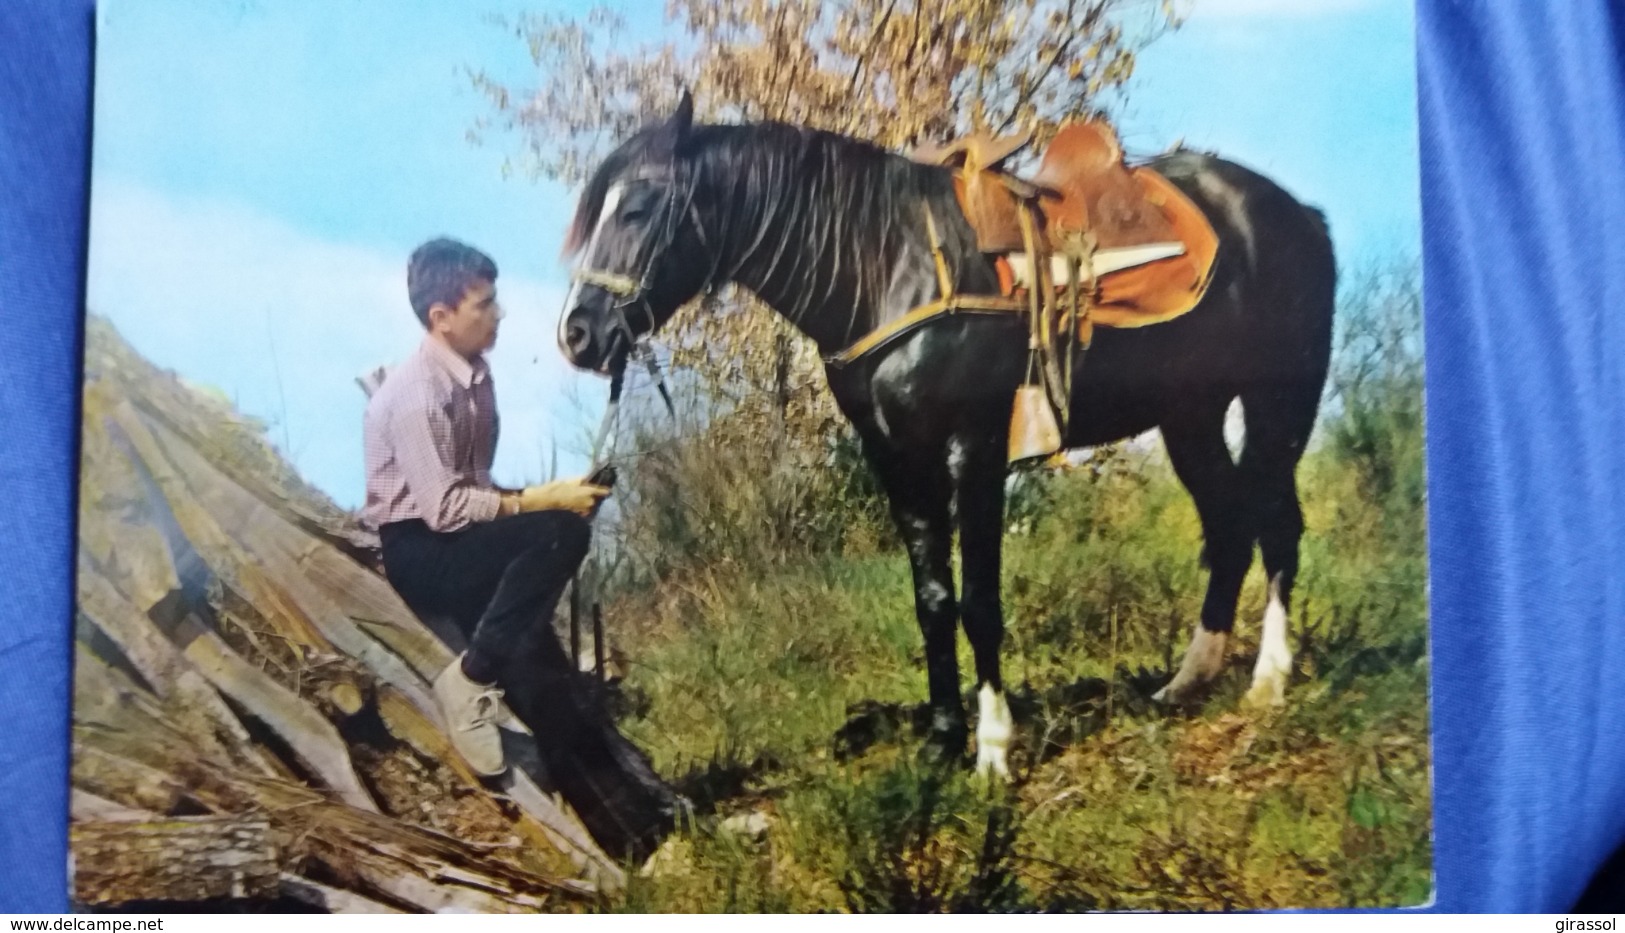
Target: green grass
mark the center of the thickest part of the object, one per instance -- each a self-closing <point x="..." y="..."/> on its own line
<point x="787" y="689"/>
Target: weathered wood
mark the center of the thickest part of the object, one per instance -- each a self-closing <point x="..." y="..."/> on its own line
<point x="229" y="617"/>
<point x="346" y="697"/>
<point x="210" y="423"/>
<point x="115" y="518"/>
<point x="312" y="739"/>
<point x="111" y="712"/>
<point x="188" y="696"/>
<point x="84" y="806"/>
<point x="546" y="821"/>
<point x="366" y="852"/>
<point x="128" y="756"/>
<point x="174" y="859"/>
<point x="163" y="777"/>
<point x="352" y="595"/>
<point x="324" y="585"/>
<point x="131" y="757"/>
<point x="224" y="557"/>
<point x="204" y="490"/>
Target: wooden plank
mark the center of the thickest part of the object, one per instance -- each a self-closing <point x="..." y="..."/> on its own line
<point x="217" y="549"/>
<point x="126" y="783"/>
<point x="366" y="852"/>
<point x="188" y="696"/>
<point x="326" y="585"/>
<point x="311" y="737"/>
<point x="282" y="594"/>
<point x="565" y="830"/>
<point x="173" y="859"/>
<point x="115" y="517"/>
<point x="85" y="806"/>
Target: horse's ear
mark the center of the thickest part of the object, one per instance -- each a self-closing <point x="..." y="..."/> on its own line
<point x="669" y="136"/>
<point x="682" y="119"/>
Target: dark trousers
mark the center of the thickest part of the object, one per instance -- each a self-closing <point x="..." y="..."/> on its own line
<point x="499" y="580"/>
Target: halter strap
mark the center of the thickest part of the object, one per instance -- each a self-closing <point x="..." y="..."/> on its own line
<point x="621" y="286"/>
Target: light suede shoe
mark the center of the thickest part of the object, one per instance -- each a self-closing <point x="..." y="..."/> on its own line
<point x="471" y="711"/>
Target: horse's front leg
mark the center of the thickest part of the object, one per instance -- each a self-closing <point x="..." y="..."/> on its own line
<point x="979" y="475"/>
<point x="919" y="490"/>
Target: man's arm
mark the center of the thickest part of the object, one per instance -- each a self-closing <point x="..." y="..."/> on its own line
<point x="422" y="437"/>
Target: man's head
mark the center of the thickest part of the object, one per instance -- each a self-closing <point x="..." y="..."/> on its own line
<point x="452" y="287"/>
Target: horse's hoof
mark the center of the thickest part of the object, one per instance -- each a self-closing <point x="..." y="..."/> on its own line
<point x="991" y="765"/>
<point x="1266" y="693"/>
<point x="945" y="750"/>
<point x="1172" y="696"/>
<point x="995" y="727"/>
<point x="1177" y="694"/>
<point x="1204" y="659"/>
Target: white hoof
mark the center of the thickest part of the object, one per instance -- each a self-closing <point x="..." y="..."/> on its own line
<point x="994" y="730"/>
<point x="1266" y="692"/>
<point x="752" y="826"/>
<point x="1274" y="665"/>
<point x="1203" y="661"/>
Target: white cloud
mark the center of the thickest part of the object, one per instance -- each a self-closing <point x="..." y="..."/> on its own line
<point x="1215" y="9"/>
<point x="282" y="322"/>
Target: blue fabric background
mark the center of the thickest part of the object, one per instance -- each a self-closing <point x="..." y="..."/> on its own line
<point x="1523" y="138"/>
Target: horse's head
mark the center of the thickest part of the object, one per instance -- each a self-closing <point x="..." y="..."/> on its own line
<point x="639" y="252"/>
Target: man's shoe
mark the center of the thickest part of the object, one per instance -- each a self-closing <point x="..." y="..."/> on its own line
<point x="470" y="710"/>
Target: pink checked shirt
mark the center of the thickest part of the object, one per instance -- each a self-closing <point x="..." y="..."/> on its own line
<point x="430" y="432"/>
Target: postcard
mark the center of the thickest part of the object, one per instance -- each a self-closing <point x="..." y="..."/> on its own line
<point x="862" y="456"/>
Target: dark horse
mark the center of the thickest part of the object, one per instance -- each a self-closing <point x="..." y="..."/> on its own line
<point x="830" y="233"/>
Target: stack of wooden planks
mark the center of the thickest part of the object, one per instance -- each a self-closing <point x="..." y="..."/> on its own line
<point x="252" y="711"/>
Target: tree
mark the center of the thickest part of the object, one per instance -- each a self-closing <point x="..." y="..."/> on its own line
<point x="892" y="71"/>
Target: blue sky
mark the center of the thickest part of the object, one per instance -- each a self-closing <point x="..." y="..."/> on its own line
<point x="262" y="169"/>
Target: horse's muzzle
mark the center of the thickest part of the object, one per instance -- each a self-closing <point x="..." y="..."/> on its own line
<point x="588" y="348"/>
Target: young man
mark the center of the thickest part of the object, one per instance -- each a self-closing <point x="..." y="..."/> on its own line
<point x="495" y="560"/>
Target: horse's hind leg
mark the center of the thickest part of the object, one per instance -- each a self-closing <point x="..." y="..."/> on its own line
<point x="979" y="467"/>
<point x="1195" y="440"/>
<point x="1278" y="426"/>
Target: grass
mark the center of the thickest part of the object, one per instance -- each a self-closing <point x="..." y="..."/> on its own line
<point x="792" y="690"/>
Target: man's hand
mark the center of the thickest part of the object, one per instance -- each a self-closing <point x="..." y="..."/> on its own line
<point x="573" y="495"/>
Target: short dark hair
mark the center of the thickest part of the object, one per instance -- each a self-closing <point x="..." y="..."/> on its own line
<point x="441" y="270"/>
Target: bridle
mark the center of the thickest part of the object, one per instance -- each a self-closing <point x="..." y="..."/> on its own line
<point x="631" y="293"/>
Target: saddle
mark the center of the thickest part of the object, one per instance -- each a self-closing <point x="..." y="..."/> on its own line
<point x="1143" y="250"/>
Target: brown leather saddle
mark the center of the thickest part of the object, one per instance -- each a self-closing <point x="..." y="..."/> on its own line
<point x="1147" y="249"/>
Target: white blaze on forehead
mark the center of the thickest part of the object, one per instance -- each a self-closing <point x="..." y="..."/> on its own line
<point x="612" y="198"/>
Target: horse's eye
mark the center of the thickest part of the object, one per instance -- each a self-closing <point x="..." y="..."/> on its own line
<point x="635" y="207"/>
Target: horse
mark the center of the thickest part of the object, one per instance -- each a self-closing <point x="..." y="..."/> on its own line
<point x="828" y="231"/>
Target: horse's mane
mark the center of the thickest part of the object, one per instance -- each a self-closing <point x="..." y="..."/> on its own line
<point x="767" y="153"/>
<point x="853" y="207"/>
